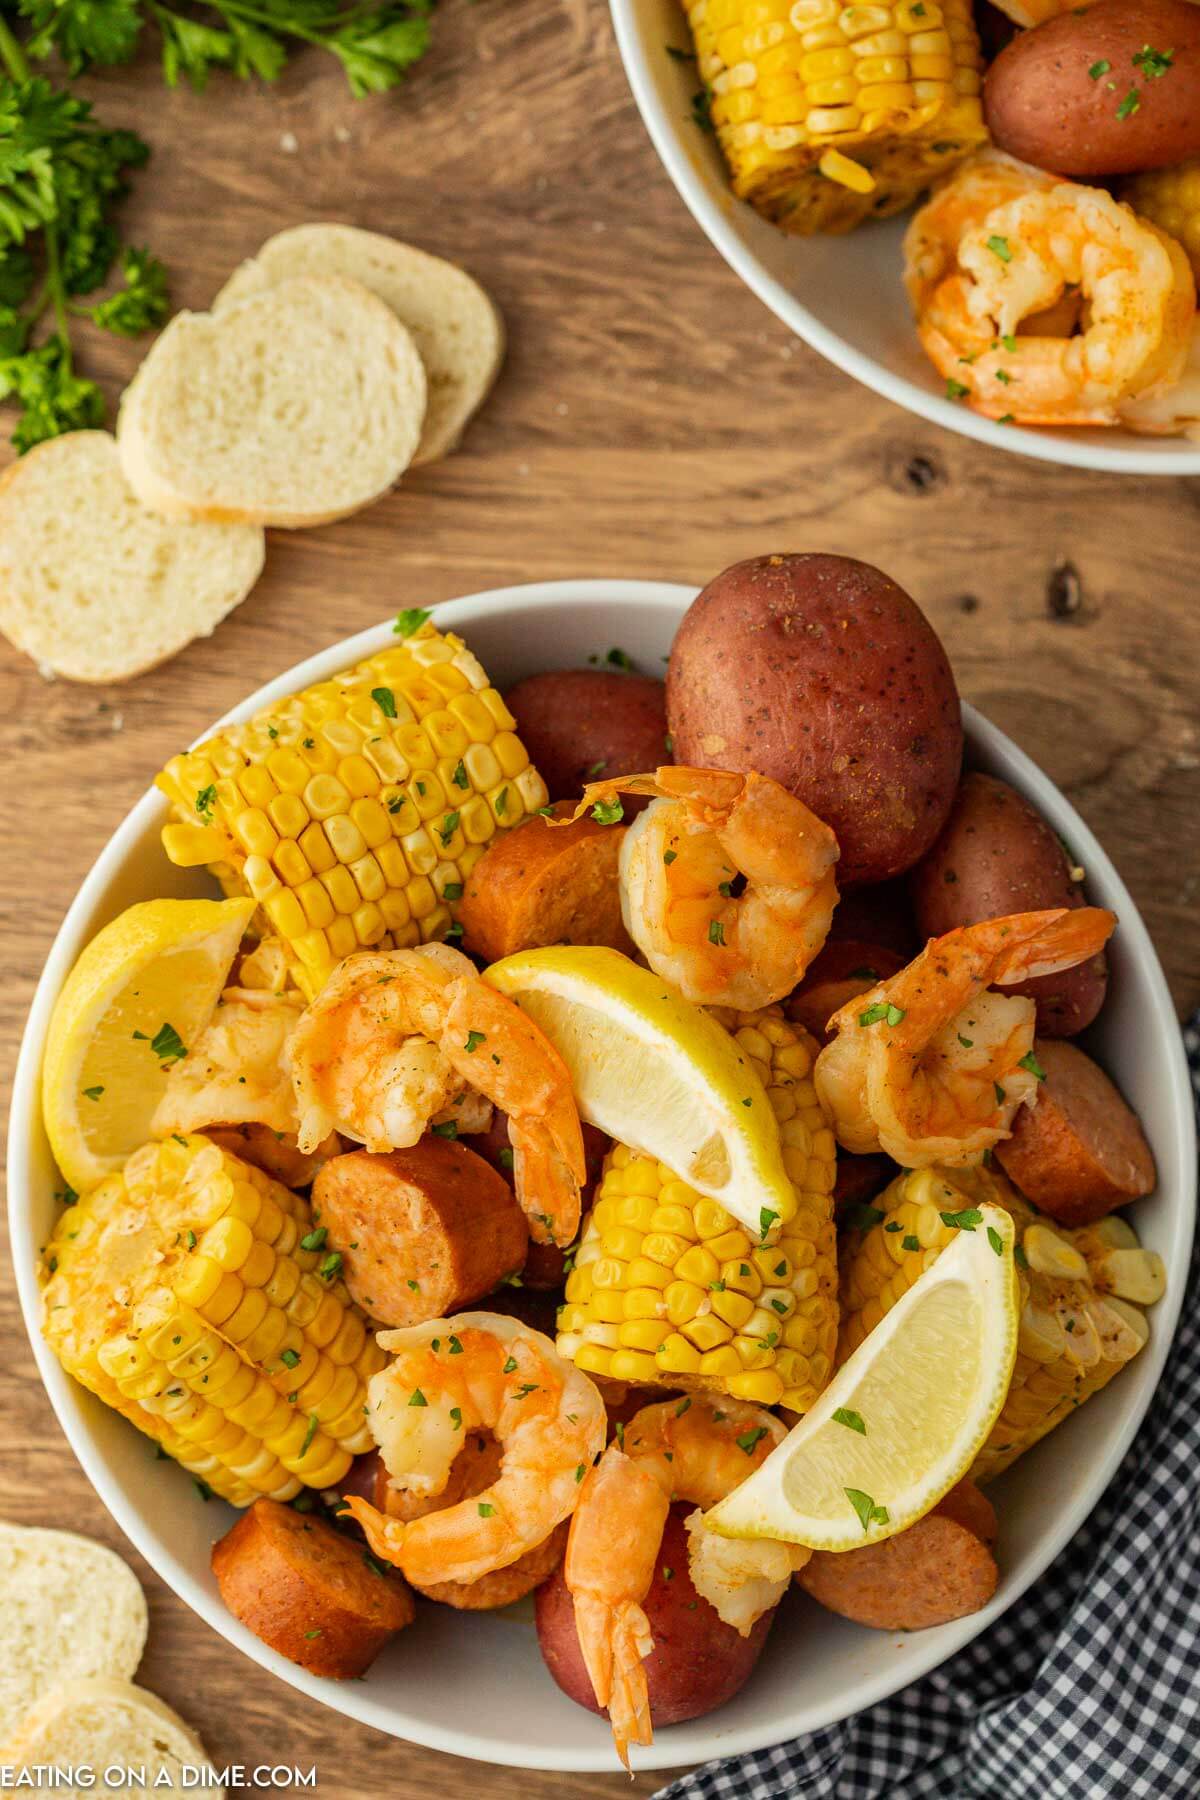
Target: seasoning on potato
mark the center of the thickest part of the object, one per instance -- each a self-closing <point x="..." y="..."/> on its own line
<point x="996" y="856"/>
<point x="1103" y="90"/>
<point x="580" y="725"/>
<point x="822" y="673"/>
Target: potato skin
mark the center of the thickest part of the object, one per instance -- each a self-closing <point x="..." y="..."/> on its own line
<point x="1042" y="105"/>
<point x="581" y="724"/>
<point x="997" y="855"/>
<point x="697" y="1663"/>
<point x="822" y="673"/>
<point x="305" y="1590"/>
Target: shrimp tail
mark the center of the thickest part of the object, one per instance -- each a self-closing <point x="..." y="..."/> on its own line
<point x="1054" y="940"/>
<point x="385" y="1536"/>
<point x="615" y="1640"/>
<point x="546" y="1175"/>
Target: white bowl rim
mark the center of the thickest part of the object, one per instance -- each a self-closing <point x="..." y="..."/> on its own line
<point x="354" y="1700"/>
<point x="1045" y="445"/>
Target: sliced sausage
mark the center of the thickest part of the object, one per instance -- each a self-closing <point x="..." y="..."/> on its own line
<point x="971" y="1508"/>
<point x="935" y="1571"/>
<point x="1081" y="1150"/>
<point x="545" y="884"/>
<point x="307" y="1591"/>
<point x="422" y="1232"/>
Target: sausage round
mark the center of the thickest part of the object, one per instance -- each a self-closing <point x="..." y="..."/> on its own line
<point x="422" y="1232"/>
<point x="935" y="1571"/>
<point x="545" y="884"/>
<point x="1081" y="1150"/>
<point x="306" y="1590"/>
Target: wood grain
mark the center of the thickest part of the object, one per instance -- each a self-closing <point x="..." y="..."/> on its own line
<point x="653" y="420"/>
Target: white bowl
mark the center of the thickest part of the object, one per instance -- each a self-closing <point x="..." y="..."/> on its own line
<point x="475" y="1684"/>
<point x="842" y="295"/>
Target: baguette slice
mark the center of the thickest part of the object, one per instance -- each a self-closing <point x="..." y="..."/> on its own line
<point x="72" y="1609"/>
<point x="104" y="1723"/>
<point x="455" y="325"/>
<point x="292" y="407"/>
<point x="93" y="585"/>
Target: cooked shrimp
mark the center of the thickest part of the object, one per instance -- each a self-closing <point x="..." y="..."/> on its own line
<point x="727" y="882"/>
<point x="931" y="1065"/>
<point x="446" y="1379"/>
<point x="690" y="1449"/>
<point x="395" y="1037"/>
<point x="985" y="286"/>
<point x="1171" y="411"/>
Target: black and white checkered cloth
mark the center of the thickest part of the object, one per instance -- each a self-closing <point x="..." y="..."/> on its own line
<point x="1088" y="1688"/>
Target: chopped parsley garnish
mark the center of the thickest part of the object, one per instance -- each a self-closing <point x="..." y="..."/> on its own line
<point x="289" y="1358"/>
<point x="910" y="1242"/>
<point x="966" y="1220"/>
<point x="1001" y="1096"/>
<point x="206" y="799"/>
<point x="669" y="856"/>
<point x="619" y="658"/>
<point x="956" y="390"/>
<point x="1019" y="1256"/>
<point x="167" y="1045"/>
<point x="453" y="890"/>
<point x="579" y="1473"/>
<point x="509" y="1366"/>
<point x="447" y="828"/>
<point x="967" y="1043"/>
<point x="853" y="1421"/>
<point x="417" y="1398"/>
<point x="608" y="812"/>
<point x="749" y="1440"/>
<point x="766" y="1218"/>
<point x="1153" y="63"/>
<point x="473" y="1041"/>
<point x="455" y="1347"/>
<point x="1130" y="104"/>
<point x="1000" y="246"/>
<point x="597" y="768"/>
<point x="716" y="932"/>
<point x="310" y="1434"/>
<point x="995" y="1240"/>
<point x="385" y="700"/>
<point x="456" y="1417"/>
<point x="864" y="974"/>
<point x="502" y="802"/>
<point x="315" y="1239"/>
<point x="1031" y="1063"/>
<point x="410" y="621"/>
<point x="190" y="1240"/>
<point x="448" y="1130"/>
<point x="683" y="1406"/>
<point x="92" y="1093"/>
<point x="484" y="1509"/>
<point x="882" y="1009"/>
<point x="331" y="1266"/>
<point x="460" y="778"/>
<point x="1099" y="68"/>
<point x="868" y="1513"/>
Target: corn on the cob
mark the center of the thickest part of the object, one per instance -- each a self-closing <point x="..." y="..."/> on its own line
<point x="1170" y="199"/>
<point x="180" y="1291"/>
<point x="1081" y="1293"/>
<point x="669" y="1289"/>
<point x="829" y="114"/>
<point x="354" y="811"/>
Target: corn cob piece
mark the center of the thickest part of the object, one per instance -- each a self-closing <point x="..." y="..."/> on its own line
<point x="669" y="1289"/>
<point x="829" y="114"/>
<point x="1170" y="199"/>
<point x="1081" y="1294"/>
<point x="181" y="1292"/>
<point x="353" y="812"/>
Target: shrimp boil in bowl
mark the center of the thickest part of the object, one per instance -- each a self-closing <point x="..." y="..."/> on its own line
<point x="397" y="1037"/>
<point x="932" y="1065"/>
<point x="988" y="284"/>
<point x="689" y="1449"/>
<point x="446" y="1379"/>
<point x="727" y="881"/>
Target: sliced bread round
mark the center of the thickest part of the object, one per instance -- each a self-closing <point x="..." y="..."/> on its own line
<point x="455" y="325"/>
<point x="72" y="1609"/>
<point x="104" y="1724"/>
<point x="95" y="586"/>
<point x="292" y="407"/>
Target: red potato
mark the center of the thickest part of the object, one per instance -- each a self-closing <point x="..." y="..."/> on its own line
<point x="821" y="672"/>
<point x="1081" y="1151"/>
<point x="882" y="914"/>
<point x="422" y="1232"/>
<point x="842" y="969"/>
<point x="306" y="1590"/>
<point x="937" y="1570"/>
<point x="581" y="724"/>
<point x="1103" y="90"/>
<point x="997" y="855"/>
<point x="697" y="1663"/>
<point x="860" y="1178"/>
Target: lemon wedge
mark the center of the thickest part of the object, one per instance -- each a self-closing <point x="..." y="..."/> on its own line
<point x="905" y="1416"/>
<point x="144" y="989"/>
<point x="658" y="1074"/>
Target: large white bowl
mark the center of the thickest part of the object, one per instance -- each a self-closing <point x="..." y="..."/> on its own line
<point x="474" y="1684"/>
<point x="842" y="295"/>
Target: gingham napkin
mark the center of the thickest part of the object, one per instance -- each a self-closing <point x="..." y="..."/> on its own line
<point x="1088" y="1687"/>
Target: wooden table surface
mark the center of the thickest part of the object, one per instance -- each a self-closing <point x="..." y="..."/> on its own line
<point x="652" y="420"/>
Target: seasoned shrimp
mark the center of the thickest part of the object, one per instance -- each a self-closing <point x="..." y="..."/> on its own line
<point x="988" y="284"/>
<point x="450" y="1377"/>
<point x="1172" y="411"/>
<point x="395" y="1037"/>
<point x="931" y="1065"/>
<point x="689" y="1449"/>
<point x="727" y="882"/>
